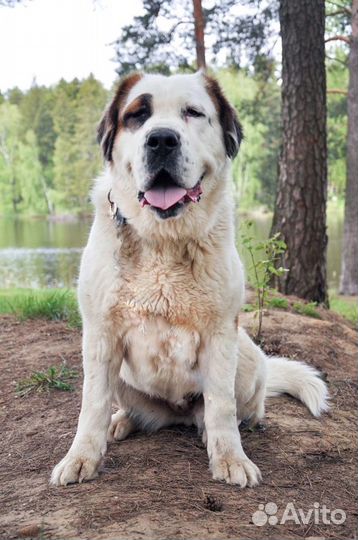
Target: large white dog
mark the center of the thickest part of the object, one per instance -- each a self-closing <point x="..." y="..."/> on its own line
<point x="161" y="284"/>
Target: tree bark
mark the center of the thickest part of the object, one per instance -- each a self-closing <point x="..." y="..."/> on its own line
<point x="300" y="210"/>
<point x="199" y="25"/>
<point x="349" y="273"/>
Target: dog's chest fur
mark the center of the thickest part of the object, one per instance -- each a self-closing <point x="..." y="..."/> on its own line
<point x="167" y="298"/>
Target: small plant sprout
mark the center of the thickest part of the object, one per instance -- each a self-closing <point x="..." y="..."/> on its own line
<point x="263" y="256"/>
<point x="57" y="377"/>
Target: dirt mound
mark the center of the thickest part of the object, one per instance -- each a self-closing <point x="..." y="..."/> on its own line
<point x="158" y="486"/>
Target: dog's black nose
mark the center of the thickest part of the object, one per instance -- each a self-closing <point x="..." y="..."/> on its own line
<point x="162" y="141"/>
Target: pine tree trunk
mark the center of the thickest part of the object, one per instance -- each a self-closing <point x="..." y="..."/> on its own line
<point x="349" y="275"/>
<point x="199" y="25"/>
<point x="300" y="210"/>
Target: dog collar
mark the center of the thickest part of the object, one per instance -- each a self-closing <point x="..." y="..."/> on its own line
<point x="115" y="213"/>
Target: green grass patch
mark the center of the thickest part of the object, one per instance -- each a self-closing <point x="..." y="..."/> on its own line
<point x="345" y="306"/>
<point x="307" y="309"/>
<point x="51" y="304"/>
<point x="247" y="308"/>
<point x="278" y="302"/>
<point x="54" y="377"/>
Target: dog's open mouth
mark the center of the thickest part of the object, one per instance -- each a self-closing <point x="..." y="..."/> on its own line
<point x="166" y="196"/>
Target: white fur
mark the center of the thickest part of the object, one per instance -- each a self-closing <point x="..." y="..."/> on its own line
<point x="298" y="379"/>
<point x="160" y="299"/>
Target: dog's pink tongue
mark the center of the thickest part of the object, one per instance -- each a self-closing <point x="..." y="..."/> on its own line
<point x="164" y="197"/>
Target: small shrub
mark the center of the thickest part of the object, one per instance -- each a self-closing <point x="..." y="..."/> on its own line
<point x="307" y="309"/>
<point x="264" y="257"/>
<point x="54" y="377"/>
<point x="247" y="308"/>
<point x="277" y="302"/>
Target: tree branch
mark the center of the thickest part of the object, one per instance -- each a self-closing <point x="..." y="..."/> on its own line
<point x="343" y="11"/>
<point x="337" y="91"/>
<point x="338" y="38"/>
<point x="175" y="26"/>
<point x="345" y="64"/>
<point x="339" y="6"/>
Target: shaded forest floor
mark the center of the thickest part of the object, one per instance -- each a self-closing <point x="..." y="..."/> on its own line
<point x="158" y="486"/>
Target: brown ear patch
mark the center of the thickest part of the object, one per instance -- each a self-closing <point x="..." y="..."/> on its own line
<point x="109" y="125"/>
<point x="232" y="129"/>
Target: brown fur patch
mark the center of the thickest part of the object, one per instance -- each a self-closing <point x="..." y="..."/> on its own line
<point x="109" y="125"/>
<point x="232" y="129"/>
<point x="136" y="112"/>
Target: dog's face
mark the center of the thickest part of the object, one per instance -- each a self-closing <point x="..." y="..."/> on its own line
<point x="169" y="140"/>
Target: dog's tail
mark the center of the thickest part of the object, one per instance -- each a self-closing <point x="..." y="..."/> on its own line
<point x="299" y="380"/>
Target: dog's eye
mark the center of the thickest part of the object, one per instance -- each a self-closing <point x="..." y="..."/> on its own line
<point x="136" y="117"/>
<point x="140" y="112"/>
<point x="194" y="113"/>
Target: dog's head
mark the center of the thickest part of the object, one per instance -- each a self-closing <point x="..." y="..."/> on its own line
<point x="168" y="141"/>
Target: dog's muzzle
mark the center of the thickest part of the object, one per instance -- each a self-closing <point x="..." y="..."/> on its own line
<point x="166" y="197"/>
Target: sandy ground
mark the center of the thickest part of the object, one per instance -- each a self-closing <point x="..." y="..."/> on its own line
<point x="158" y="486"/>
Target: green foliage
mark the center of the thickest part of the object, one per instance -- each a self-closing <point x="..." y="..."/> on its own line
<point x="20" y="168"/>
<point x="58" y="378"/>
<point x="48" y="150"/>
<point x="345" y="306"/>
<point x="248" y="308"/>
<point x="278" y="302"/>
<point x="337" y="79"/>
<point x="49" y="155"/>
<point x="263" y="257"/>
<point x="258" y="104"/>
<point x="46" y="304"/>
<point x="307" y="309"/>
<point x="77" y="158"/>
<point x="36" y="107"/>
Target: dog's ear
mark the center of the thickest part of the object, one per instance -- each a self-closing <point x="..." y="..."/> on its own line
<point x="232" y="129"/>
<point x="110" y="123"/>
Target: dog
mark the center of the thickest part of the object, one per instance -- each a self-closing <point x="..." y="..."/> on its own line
<point x="161" y="284"/>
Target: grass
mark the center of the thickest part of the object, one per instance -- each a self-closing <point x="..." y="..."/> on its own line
<point x="61" y="304"/>
<point x="345" y="306"/>
<point x="278" y="302"/>
<point x="307" y="309"/>
<point x="51" y="304"/>
<point x="54" y="377"/>
<point x="247" y="308"/>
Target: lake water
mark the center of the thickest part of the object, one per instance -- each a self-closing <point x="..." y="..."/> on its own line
<point x="40" y="253"/>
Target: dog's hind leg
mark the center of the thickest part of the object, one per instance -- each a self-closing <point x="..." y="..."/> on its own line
<point x="122" y="425"/>
<point x="250" y="383"/>
<point x="138" y="411"/>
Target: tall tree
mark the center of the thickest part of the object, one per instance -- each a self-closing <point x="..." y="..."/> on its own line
<point x="77" y="160"/>
<point x="349" y="274"/>
<point x="300" y="210"/>
<point x="10" y="188"/>
<point x="91" y="101"/>
<point x="21" y="182"/>
<point x="65" y="155"/>
<point x="199" y="25"/>
<point x="36" y="108"/>
<point x="153" y="40"/>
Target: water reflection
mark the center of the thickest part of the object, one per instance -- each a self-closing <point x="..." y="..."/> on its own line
<point x="39" y="267"/>
<point x="41" y="253"/>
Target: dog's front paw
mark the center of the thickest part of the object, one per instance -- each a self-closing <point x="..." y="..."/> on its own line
<point x="235" y="470"/>
<point x="75" y="467"/>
